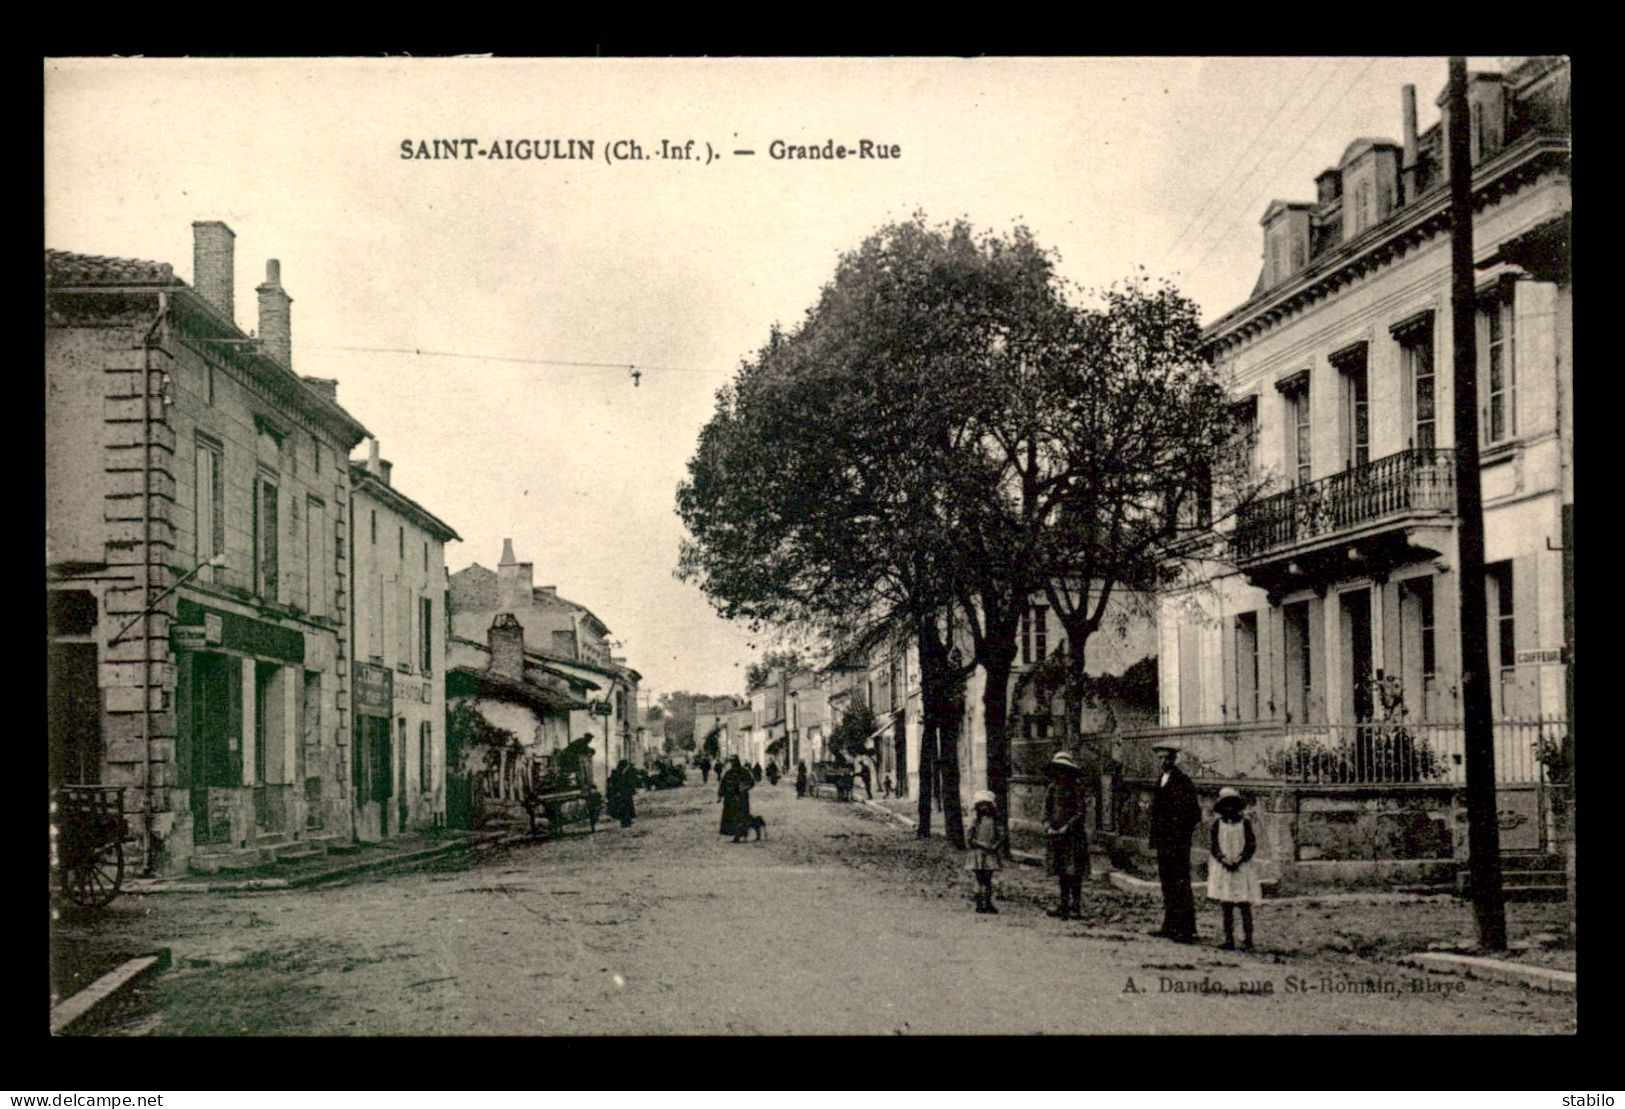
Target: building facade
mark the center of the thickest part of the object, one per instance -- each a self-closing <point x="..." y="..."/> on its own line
<point x="569" y="638"/>
<point x="398" y="748"/>
<point x="1334" y="616"/>
<point x="197" y="514"/>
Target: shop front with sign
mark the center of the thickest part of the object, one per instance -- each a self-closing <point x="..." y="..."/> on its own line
<point x="372" y="752"/>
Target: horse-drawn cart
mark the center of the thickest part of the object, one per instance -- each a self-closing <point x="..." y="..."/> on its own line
<point x="837" y="775"/>
<point x="559" y="793"/>
<point x="88" y="834"/>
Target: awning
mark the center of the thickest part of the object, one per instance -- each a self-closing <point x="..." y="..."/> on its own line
<point x="882" y="730"/>
<point x="463" y="680"/>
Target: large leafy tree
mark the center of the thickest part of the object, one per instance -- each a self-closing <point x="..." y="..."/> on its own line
<point x="829" y="489"/>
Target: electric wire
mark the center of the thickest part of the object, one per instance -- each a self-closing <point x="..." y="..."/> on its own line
<point x="1328" y="114"/>
<point x="1241" y="155"/>
<point x="1241" y="183"/>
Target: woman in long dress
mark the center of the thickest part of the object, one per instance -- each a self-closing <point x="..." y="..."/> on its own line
<point x="735" y="791"/>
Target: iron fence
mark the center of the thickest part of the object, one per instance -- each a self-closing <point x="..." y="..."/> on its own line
<point x="1388" y="753"/>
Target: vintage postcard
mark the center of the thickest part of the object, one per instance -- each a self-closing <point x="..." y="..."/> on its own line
<point x="839" y="546"/>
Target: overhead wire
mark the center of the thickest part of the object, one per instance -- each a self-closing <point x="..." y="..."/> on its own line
<point x="506" y="358"/>
<point x="1321" y="123"/>
<point x="1246" y="149"/>
<point x="1241" y="183"/>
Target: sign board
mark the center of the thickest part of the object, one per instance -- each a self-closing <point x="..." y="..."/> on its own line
<point x="195" y="637"/>
<point x="374" y="690"/>
<point x="188" y="637"/>
<point x="1542" y="656"/>
<point x="602" y="708"/>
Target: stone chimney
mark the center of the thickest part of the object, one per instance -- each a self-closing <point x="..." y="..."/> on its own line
<point x="1407" y="162"/>
<point x="514" y="581"/>
<point x="326" y="386"/>
<point x="384" y="466"/>
<point x="372" y="456"/>
<point x="507" y="641"/>
<point x="275" y="329"/>
<point x="550" y="590"/>
<point x="213" y="264"/>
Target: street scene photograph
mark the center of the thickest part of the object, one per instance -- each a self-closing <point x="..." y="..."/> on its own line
<point x="809" y="546"/>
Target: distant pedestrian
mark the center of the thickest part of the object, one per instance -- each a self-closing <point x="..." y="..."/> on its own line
<point x="756" y="773"/>
<point x="705" y="770"/>
<point x="868" y="778"/>
<point x="619" y="789"/>
<point x="772" y="773"/>
<point x="801" y="779"/>
<point x="885" y="787"/>
<point x="984" y="842"/>
<point x="1232" y="875"/>
<point x="734" y="790"/>
<point x="1066" y="854"/>
<point x="1174" y="816"/>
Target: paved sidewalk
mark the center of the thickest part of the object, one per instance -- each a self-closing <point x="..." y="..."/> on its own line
<point x="399" y="851"/>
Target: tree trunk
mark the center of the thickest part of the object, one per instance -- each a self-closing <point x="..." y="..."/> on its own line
<point x="1077" y="637"/>
<point x="929" y="696"/>
<point x="996" y="665"/>
<point x="945" y="711"/>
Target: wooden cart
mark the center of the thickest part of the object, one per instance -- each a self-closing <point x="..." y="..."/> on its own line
<point x="87" y="841"/>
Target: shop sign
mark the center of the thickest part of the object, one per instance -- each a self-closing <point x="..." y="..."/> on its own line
<point x="374" y="691"/>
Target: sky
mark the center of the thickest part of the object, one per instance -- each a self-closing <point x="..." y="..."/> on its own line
<point x="491" y="273"/>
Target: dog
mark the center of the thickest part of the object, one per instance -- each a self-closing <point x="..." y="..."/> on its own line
<point x="756" y="825"/>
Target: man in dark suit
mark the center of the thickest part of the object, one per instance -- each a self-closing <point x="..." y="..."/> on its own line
<point x="1174" y="816"/>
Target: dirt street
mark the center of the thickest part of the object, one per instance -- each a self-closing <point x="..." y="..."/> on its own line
<point x="840" y="921"/>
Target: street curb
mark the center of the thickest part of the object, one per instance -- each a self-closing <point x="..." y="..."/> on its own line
<point x="1496" y="970"/>
<point x="107" y="987"/>
<point x="360" y="866"/>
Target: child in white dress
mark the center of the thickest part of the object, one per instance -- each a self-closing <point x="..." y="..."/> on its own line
<point x="1232" y="875"/>
<point x="984" y="842"/>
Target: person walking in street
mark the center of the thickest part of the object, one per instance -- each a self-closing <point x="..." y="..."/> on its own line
<point x="772" y="773"/>
<point x="885" y="787"/>
<point x="734" y="789"/>
<point x="756" y="773"/>
<point x="1066" y="854"/>
<point x="868" y="778"/>
<point x="705" y="770"/>
<point x="1232" y="874"/>
<point x="1174" y="816"/>
<point x="984" y="844"/>
<point x="801" y="779"/>
<point x="619" y="789"/>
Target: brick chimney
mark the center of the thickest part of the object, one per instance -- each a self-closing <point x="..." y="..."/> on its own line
<point x="507" y="641"/>
<point x="213" y="264"/>
<point x="384" y="466"/>
<point x="515" y="588"/>
<point x="275" y="330"/>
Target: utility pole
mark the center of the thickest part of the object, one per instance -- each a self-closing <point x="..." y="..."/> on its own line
<point x="1483" y="832"/>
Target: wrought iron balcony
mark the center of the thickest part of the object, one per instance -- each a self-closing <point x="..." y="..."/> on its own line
<point x="1410" y="482"/>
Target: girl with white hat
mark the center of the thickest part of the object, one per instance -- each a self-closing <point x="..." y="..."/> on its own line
<point x="1232" y="875"/>
<point x="984" y="844"/>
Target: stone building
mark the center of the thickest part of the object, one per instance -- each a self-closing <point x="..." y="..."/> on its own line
<point x="1327" y="648"/>
<point x="197" y="501"/>
<point x="398" y="551"/>
<point x="568" y="637"/>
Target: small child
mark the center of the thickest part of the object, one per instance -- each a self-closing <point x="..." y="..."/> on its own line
<point x="1232" y="875"/>
<point x="984" y="841"/>
<point x="886" y="786"/>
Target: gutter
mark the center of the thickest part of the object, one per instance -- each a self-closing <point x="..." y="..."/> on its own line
<point x="147" y="346"/>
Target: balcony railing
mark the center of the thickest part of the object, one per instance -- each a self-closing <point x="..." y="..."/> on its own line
<point x="1422" y="480"/>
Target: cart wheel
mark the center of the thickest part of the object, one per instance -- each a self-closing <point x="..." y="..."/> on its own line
<point x="95" y="881"/>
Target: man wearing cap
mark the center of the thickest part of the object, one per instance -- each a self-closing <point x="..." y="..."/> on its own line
<point x="1174" y="816"/>
<point x="1067" y="851"/>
